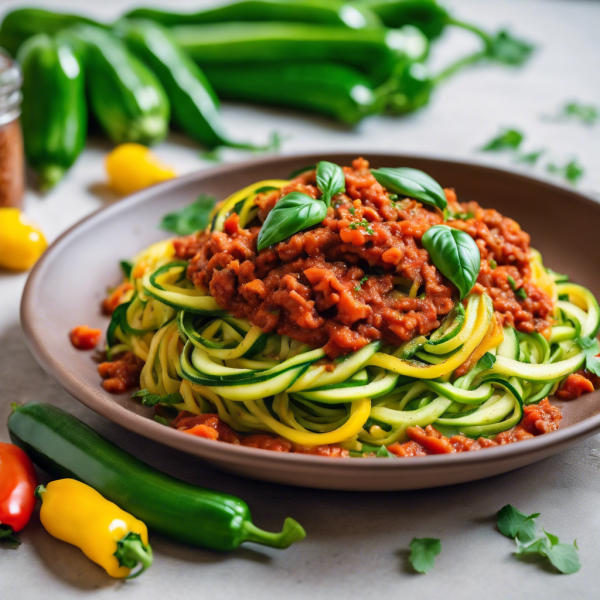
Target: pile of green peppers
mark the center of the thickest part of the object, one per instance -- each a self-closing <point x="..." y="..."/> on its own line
<point x="343" y="59"/>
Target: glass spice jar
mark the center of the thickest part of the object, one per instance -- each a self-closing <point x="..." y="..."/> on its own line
<point x="12" y="167"/>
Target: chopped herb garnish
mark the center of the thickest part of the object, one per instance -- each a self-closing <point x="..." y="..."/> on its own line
<point x="193" y="217"/>
<point x="572" y="171"/>
<point x="161" y="420"/>
<point x="521" y="293"/>
<point x="507" y="49"/>
<point x="591" y="348"/>
<point x="359" y="284"/>
<point x="493" y="264"/>
<point x="463" y="216"/>
<point x="149" y="399"/>
<point x="393" y="197"/>
<point x="585" y="113"/>
<point x="352" y="210"/>
<point x="364" y="223"/>
<point x="512" y="283"/>
<point x="126" y="266"/>
<point x="530" y="158"/>
<point x="522" y="528"/>
<point x="423" y="552"/>
<point x="508" y="139"/>
<point x="383" y="452"/>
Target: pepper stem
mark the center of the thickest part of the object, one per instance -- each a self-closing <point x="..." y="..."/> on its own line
<point x="39" y="490"/>
<point x="486" y="37"/>
<point x="8" y="535"/>
<point x="131" y="551"/>
<point x="292" y="532"/>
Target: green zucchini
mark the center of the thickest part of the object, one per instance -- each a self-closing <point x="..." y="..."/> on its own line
<point x="54" y="111"/>
<point x="127" y="99"/>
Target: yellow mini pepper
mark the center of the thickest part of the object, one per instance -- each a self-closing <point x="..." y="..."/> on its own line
<point x="77" y="514"/>
<point x="21" y="242"/>
<point x="133" y="167"/>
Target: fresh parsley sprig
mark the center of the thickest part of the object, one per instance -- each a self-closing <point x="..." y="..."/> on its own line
<point x="522" y="528"/>
<point x="591" y="348"/>
<point x="191" y="218"/>
<point x="149" y="399"/>
<point x="423" y="552"/>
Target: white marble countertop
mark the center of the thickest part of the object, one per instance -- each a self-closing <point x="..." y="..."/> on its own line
<point x="357" y="542"/>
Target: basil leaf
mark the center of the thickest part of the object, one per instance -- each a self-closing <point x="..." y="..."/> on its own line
<point x="564" y="557"/>
<point x="514" y="524"/>
<point x="423" y="552"/>
<point x="190" y="219"/>
<point x="293" y="213"/>
<point x="383" y="452"/>
<point x="455" y="254"/>
<point x="412" y="183"/>
<point x="330" y="180"/>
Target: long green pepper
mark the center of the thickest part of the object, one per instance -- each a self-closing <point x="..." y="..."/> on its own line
<point x="194" y="104"/>
<point x="65" y="447"/>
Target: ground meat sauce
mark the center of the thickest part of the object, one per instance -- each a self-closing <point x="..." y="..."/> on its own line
<point x="332" y="286"/>
<point x="121" y="374"/>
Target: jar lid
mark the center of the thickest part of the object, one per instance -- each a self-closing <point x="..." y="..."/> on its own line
<point x="11" y="80"/>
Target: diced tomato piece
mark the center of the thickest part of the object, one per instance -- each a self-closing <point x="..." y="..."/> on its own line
<point x="84" y="337"/>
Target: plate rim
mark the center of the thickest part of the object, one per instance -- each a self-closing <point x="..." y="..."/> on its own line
<point x="207" y="449"/>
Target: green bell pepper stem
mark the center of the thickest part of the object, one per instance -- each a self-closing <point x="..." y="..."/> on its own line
<point x="131" y="551"/>
<point x="292" y="532"/>
<point x="486" y="37"/>
<point x="461" y="63"/>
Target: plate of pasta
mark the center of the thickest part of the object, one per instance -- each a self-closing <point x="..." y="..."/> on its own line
<point x="377" y="323"/>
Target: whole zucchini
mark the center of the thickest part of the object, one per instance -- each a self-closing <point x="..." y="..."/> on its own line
<point x="23" y="23"/>
<point x="126" y="98"/>
<point x="65" y="447"/>
<point x="54" y="112"/>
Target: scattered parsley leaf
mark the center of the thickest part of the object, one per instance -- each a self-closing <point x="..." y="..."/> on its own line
<point x="572" y="171"/>
<point x="393" y="197"/>
<point x="530" y="158"/>
<point x="193" y="217"/>
<point x="364" y="223"/>
<point x="562" y="556"/>
<point x="383" y="452"/>
<point x="493" y="263"/>
<point x="161" y="420"/>
<point x="463" y="216"/>
<point x="508" y="139"/>
<point x="126" y="266"/>
<point x="591" y="347"/>
<point x="352" y="210"/>
<point x="514" y="524"/>
<point x="423" y="552"/>
<point x="149" y="399"/>
<point x="585" y="113"/>
<point x="359" y="284"/>
<point x="507" y="49"/>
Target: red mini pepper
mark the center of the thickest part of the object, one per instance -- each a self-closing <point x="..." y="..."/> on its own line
<point x="17" y="484"/>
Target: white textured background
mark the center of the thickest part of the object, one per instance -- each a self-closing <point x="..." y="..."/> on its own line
<point x="357" y="544"/>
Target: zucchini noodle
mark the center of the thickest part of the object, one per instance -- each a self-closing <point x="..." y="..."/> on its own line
<point x="265" y="382"/>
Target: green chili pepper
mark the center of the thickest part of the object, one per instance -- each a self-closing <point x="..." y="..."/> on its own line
<point x="194" y="104"/>
<point x="125" y="95"/>
<point x="334" y="90"/>
<point x="427" y="15"/>
<point x="54" y="113"/>
<point x="23" y="23"/>
<point x="378" y="52"/>
<point x="330" y="12"/>
<point x="63" y="446"/>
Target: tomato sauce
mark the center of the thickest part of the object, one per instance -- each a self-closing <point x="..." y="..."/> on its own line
<point x="336" y="285"/>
